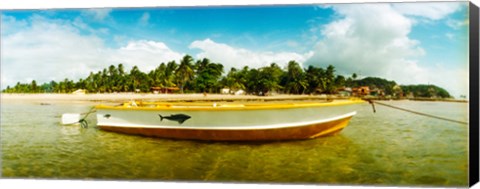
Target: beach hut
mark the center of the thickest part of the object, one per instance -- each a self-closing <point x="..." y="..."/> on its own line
<point x="80" y="92"/>
<point x="361" y="91"/>
<point x="345" y="91"/>
<point x="225" y="91"/>
<point x="239" y="92"/>
<point x="165" y="90"/>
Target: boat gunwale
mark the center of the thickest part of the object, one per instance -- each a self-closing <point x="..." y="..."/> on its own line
<point x="218" y="106"/>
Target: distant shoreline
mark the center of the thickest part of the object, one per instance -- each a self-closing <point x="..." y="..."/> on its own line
<point x="122" y="97"/>
<point x="424" y="99"/>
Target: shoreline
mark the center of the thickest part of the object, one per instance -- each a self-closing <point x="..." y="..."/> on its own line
<point x="48" y="98"/>
<point x="122" y="97"/>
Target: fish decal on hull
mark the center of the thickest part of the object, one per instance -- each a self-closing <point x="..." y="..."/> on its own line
<point x="180" y="118"/>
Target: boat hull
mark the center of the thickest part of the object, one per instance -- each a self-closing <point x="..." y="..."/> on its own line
<point x="324" y="128"/>
<point x="228" y="123"/>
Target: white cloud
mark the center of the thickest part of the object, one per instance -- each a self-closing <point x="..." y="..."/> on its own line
<point x="433" y="10"/>
<point x="293" y="44"/>
<point x="144" y="19"/>
<point x="9" y="24"/>
<point x="99" y="14"/>
<point x="456" y="24"/>
<point x="455" y="81"/>
<point x="357" y="44"/>
<point x="373" y="40"/>
<point x="79" y="23"/>
<point x="54" y="49"/>
<point x="145" y="54"/>
<point x="237" y="57"/>
<point x="47" y="50"/>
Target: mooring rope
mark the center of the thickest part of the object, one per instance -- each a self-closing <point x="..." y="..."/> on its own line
<point x="84" y="122"/>
<point x="414" y="112"/>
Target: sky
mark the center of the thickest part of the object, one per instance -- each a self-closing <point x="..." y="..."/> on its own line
<point x="410" y="43"/>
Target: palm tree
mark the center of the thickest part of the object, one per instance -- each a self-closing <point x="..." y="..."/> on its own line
<point x="122" y="81"/>
<point x="352" y="81"/>
<point x="201" y="65"/>
<point x="295" y="78"/>
<point x="103" y="81"/>
<point x="34" y="86"/>
<point x="135" y="76"/>
<point x="112" y="78"/>
<point x="263" y="80"/>
<point x="234" y="80"/>
<point x="330" y="79"/>
<point x="185" y="72"/>
<point x="314" y="79"/>
<point x="273" y="75"/>
<point x="157" y="76"/>
<point x="340" y="81"/>
<point x="214" y="72"/>
<point x="207" y="75"/>
<point x="252" y="80"/>
<point x="170" y="73"/>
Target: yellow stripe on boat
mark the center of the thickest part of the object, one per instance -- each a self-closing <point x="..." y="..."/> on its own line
<point x="199" y="106"/>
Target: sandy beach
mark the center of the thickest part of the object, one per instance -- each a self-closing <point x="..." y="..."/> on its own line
<point x="49" y="98"/>
<point x="121" y="97"/>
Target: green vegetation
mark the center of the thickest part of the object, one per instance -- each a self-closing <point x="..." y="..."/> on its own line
<point x="425" y="91"/>
<point x="388" y="87"/>
<point x="198" y="76"/>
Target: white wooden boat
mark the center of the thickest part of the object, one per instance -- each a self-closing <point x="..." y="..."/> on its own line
<point x="228" y="121"/>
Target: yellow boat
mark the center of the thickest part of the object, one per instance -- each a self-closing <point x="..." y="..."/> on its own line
<point x="228" y="121"/>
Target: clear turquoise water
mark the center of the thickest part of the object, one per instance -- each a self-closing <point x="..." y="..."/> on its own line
<point x="389" y="147"/>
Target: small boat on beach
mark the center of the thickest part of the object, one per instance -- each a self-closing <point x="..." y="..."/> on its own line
<point x="228" y="121"/>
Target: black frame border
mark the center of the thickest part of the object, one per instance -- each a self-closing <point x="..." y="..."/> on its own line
<point x="474" y="94"/>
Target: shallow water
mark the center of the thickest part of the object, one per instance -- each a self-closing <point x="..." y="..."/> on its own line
<point x="389" y="147"/>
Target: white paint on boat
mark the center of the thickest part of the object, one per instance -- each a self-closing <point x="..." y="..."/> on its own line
<point x="252" y="127"/>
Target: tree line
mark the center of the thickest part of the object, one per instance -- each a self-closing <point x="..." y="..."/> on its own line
<point x="196" y="76"/>
<point x="199" y="76"/>
<point x="426" y="91"/>
<point x="398" y="91"/>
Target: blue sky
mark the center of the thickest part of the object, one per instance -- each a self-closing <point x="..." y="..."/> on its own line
<point x="409" y="43"/>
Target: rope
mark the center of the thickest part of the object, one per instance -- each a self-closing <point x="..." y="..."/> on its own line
<point x="83" y="122"/>
<point x="414" y="112"/>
